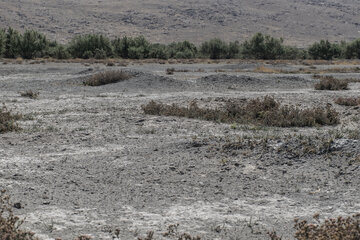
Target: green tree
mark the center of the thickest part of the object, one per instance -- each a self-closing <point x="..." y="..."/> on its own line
<point x="88" y="45"/>
<point x="352" y="50"/>
<point x="159" y="51"/>
<point x="215" y="49"/>
<point x="121" y="47"/>
<point x="33" y="44"/>
<point x="263" y="47"/>
<point x="2" y="41"/>
<point x="12" y="43"/>
<point x="324" y="50"/>
<point x="185" y="50"/>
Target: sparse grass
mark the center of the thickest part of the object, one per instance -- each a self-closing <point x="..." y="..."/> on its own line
<point x="9" y="223"/>
<point x="107" y="77"/>
<point x="334" y="228"/>
<point x="350" y="101"/>
<point x="263" y="69"/>
<point x="30" y="94"/>
<point x="8" y="120"/>
<point x="260" y="111"/>
<point x="331" y="83"/>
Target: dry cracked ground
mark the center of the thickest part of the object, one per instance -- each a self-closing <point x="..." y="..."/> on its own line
<point x="88" y="160"/>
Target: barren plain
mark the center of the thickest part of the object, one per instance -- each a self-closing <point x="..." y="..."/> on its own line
<point x="88" y="160"/>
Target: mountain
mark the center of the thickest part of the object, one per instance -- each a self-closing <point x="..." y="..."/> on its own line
<point x="299" y="22"/>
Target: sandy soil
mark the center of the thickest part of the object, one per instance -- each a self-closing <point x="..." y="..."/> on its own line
<point x="88" y="160"/>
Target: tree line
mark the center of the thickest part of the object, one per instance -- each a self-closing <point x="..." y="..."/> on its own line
<point x="32" y="44"/>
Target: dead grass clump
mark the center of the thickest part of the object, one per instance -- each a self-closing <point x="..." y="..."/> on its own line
<point x="108" y="77"/>
<point x="170" y="71"/>
<point x="30" y="94"/>
<point x="351" y="101"/>
<point x="331" y="83"/>
<point x="9" y="223"/>
<point x="8" y="120"/>
<point x="333" y="228"/>
<point x="263" y="69"/>
<point x="261" y="111"/>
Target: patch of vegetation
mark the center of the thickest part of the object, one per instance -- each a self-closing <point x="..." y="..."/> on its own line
<point x="33" y="44"/>
<point x="261" y="111"/>
<point x="30" y="94"/>
<point x="325" y="50"/>
<point x="350" y="101"/>
<point x="9" y="223"/>
<point x="91" y="46"/>
<point x="334" y="228"/>
<point x="170" y="71"/>
<point x="107" y="77"/>
<point x="331" y="83"/>
<point x="218" y="49"/>
<point x="8" y="120"/>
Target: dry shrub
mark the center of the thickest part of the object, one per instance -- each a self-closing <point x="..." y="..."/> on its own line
<point x="334" y="228"/>
<point x="8" y="120"/>
<point x="170" y="71"/>
<point x="351" y="101"/>
<point x="331" y="83"/>
<point x="9" y="223"/>
<point x="30" y="94"/>
<point x="262" y="111"/>
<point x="263" y="69"/>
<point x="83" y="237"/>
<point x="108" y="77"/>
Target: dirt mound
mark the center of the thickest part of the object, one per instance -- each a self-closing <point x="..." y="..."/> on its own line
<point x="147" y="81"/>
<point x="233" y="82"/>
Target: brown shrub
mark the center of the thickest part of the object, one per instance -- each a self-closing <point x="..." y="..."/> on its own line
<point x="263" y="111"/>
<point x="170" y="71"/>
<point x="108" y="77"/>
<point x="351" y="101"/>
<point x="30" y="94"/>
<point x="334" y="228"/>
<point x="8" y="120"/>
<point x="331" y="83"/>
<point x="9" y="223"/>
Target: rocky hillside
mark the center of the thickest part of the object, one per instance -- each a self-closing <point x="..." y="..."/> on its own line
<point x="298" y="21"/>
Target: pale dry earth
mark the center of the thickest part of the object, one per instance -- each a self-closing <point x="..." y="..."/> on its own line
<point x="88" y="160"/>
<point x="299" y="22"/>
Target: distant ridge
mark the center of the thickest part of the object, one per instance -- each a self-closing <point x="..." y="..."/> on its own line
<point x="299" y="22"/>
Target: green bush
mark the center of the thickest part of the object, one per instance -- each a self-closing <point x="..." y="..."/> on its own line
<point x="324" y="50"/>
<point x="2" y="41"/>
<point x="263" y="47"/>
<point x="182" y="50"/>
<point x="215" y="49"/>
<point x="87" y="46"/>
<point x="158" y="51"/>
<point x="59" y="52"/>
<point x="353" y="50"/>
<point x="134" y="48"/>
<point x="121" y="46"/>
<point x="33" y="44"/>
<point x="12" y="43"/>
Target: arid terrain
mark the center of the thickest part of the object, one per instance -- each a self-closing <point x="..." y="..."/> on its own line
<point x="299" y="22"/>
<point x="88" y="160"/>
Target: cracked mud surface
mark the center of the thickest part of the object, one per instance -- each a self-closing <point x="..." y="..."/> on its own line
<point x="88" y="160"/>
